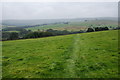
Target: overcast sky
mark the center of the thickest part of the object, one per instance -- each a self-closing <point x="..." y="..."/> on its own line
<point x="56" y="10"/>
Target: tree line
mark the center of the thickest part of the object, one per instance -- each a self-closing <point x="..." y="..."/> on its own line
<point x="97" y="29"/>
<point x="26" y="34"/>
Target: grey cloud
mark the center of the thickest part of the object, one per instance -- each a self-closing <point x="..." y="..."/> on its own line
<point x="55" y="10"/>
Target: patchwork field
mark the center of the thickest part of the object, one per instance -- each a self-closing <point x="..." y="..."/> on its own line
<point x="85" y="55"/>
<point x="76" y="26"/>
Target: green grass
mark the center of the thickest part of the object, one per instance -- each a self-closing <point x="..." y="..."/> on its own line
<point x="76" y="26"/>
<point x="85" y="55"/>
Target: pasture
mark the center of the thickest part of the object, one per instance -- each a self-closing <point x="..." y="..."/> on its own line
<point x="85" y="55"/>
<point x="76" y="26"/>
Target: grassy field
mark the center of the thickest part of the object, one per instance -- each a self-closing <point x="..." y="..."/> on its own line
<point x="85" y="55"/>
<point x="76" y="26"/>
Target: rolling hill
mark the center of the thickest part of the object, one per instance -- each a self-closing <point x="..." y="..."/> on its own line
<point x="85" y="55"/>
<point x="76" y="26"/>
<point x="46" y="21"/>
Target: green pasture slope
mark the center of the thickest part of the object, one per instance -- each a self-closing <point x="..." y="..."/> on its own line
<point x="85" y="55"/>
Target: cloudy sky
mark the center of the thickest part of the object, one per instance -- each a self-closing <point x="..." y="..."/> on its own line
<point x="56" y="10"/>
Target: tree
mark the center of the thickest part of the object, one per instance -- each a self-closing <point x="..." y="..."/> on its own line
<point x="49" y="30"/>
<point x="5" y="35"/>
<point x="106" y="28"/>
<point x="13" y="35"/>
<point x="101" y="28"/>
<point x="97" y="29"/>
<point x="90" y="30"/>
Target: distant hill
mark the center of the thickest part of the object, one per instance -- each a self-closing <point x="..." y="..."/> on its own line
<point x="46" y="21"/>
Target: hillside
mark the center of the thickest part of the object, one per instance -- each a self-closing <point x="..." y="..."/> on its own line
<point x="45" y="21"/>
<point x="70" y="26"/>
<point x="74" y="26"/>
<point x="85" y="55"/>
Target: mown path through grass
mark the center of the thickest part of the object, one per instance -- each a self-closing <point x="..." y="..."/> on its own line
<point x="73" y="57"/>
<point x="88" y="57"/>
